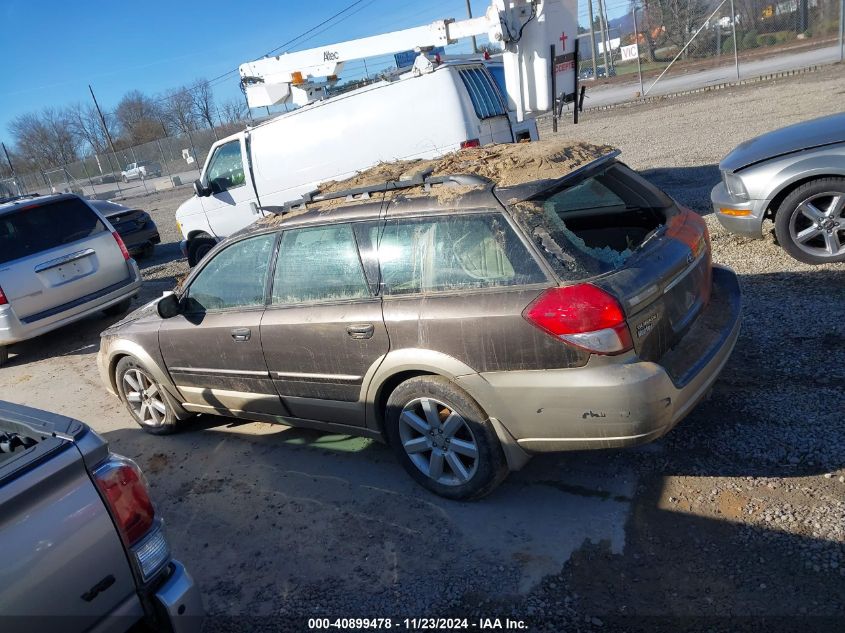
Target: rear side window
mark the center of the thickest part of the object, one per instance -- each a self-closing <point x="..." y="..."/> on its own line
<point x="319" y="264"/>
<point x="46" y="226"/>
<point x="451" y="253"/>
<point x="593" y="226"/>
<point x="483" y="92"/>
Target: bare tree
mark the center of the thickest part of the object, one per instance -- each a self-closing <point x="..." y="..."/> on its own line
<point x="43" y="139"/>
<point x="179" y="110"/>
<point x="234" y="111"/>
<point x="679" y="18"/>
<point x="138" y="117"/>
<point x="203" y="101"/>
<point x="85" y="125"/>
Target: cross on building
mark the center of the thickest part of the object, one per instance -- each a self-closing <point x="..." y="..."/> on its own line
<point x="563" y="39"/>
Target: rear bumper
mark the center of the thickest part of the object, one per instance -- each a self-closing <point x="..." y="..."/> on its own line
<point x="178" y="601"/>
<point x="612" y="404"/>
<point x="748" y="225"/>
<point x="14" y="330"/>
<point x="138" y="239"/>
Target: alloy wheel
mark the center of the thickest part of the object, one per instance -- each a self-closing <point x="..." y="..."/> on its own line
<point x="144" y="398"/>
<point x="438" y="441"/>
<point x="817" y="225"/>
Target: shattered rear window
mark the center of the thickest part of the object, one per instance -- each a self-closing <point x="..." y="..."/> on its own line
<point x="593" y="226"/>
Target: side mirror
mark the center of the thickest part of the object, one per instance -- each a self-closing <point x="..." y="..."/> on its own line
<point x="201" y="190"/>
<point x="169" y="306"/>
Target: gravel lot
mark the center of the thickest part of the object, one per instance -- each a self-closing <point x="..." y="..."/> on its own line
<point x="734" y="521"/>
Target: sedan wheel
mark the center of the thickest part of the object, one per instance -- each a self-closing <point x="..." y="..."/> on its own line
<point x="810" y="224"/>
<point x="144" y="398"/>
<point x="438" y="441"/>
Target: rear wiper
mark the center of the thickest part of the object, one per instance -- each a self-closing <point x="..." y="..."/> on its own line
<point x="659" y="230"/>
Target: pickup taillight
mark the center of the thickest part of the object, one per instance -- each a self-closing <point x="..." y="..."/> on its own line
<point x="126" y="493"/>
<point x="127" y="497"/>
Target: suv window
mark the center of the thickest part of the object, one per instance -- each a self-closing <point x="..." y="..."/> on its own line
<point x="40" y="228"/>
<point x="319" y="264"/>
<point x="452" y="252"/>
<point x="234" y="278"/>
<point x="226" y="169"/>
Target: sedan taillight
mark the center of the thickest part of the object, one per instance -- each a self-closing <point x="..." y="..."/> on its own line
<point x="3" y="299"/>
<point x="584" y="316"/>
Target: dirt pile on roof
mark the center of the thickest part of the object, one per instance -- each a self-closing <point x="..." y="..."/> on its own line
<point x="506" y="165"/>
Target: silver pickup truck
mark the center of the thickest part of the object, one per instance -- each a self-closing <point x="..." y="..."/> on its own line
<point x="82" y="546"/>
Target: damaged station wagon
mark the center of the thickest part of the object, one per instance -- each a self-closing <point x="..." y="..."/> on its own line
<point x="471" y="311"/>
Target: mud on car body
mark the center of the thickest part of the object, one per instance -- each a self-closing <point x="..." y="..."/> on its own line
<point x="471" y="311"/>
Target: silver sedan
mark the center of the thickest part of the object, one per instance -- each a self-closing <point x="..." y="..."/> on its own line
<point x="796" y="177"/>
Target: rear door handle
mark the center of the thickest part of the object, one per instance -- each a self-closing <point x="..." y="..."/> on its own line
<point x="241" y="334"/>
<point x="361" y="330"/>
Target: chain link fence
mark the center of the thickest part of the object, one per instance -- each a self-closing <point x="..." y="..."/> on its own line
<point x="169" y="162"/>
<point x="662" y="46"/>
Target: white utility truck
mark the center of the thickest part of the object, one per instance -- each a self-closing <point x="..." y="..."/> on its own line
<point x="432" y="109"/>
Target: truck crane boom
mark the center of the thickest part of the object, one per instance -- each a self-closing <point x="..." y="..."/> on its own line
<point x="526" y="28"/>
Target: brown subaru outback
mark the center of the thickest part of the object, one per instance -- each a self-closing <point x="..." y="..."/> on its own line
<point x="471" y="311"/>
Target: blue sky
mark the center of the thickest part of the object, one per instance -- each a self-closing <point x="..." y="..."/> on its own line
<point x="52" y="49"/>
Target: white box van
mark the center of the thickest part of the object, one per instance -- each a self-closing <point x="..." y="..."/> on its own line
<point x="455" y="105"/>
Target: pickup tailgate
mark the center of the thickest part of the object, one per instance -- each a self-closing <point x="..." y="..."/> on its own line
<point x="64" y="567"/>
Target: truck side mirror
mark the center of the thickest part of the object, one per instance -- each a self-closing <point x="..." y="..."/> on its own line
<point x="169" y="306"/>
<point x="201" y="190"/>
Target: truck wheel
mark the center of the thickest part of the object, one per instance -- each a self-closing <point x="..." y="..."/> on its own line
<point x="125" y="179"/>
<point x="199" y="248"/>
<point x="144" y="397"/>
<point x="810" y="222"/>
<point x="444" y="439"/>
<point x="118" y="308"/>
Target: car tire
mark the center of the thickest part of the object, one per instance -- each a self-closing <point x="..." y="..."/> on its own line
<point x="119" y="308"/>
<point x="455" y="457"/>
<point x="4" y="355"/>
<point x="147" y="251"/>
<point x="144" y="397"/>
<point x="199" y="248"/>
<point x="808" y="217"/>
<point x="125" y="179"/>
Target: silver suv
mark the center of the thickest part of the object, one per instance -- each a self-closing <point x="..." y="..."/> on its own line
<point x="60" y="261"/>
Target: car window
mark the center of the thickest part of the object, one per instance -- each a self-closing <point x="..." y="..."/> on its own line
<point x="45" y="226"/>
<point x="452" y="252"/>
<point x="234" y="278"/>
<point x="319" y="264"/>
<point x="226" y="169"/>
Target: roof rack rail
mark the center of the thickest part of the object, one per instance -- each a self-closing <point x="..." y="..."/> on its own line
<point x="422" y="179"/>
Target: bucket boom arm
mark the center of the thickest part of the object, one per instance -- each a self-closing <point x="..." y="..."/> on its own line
<point x="526" y="29"/>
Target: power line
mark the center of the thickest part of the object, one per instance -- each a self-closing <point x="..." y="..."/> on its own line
<point x="298" y="37"/>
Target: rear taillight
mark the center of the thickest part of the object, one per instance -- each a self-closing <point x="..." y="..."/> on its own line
<point x="3" y="299"/>
<point x="584" y="316"/>
<point x="127" y="496"/>
<point x="688" y="227"/>
<point x="473" y="142"/>
<point x="122" y="246"/>
<point x="691" y="229"/>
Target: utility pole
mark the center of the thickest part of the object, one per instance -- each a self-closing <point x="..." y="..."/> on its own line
<point x="604" y="37"/>
<point x="9" y="160"/>
<point x="637" y="44"/>
<point x="469" y="15"/>
<point x="108" y="134"/>
<point x="592" y="38"/>
<point x="733" y="33"/>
